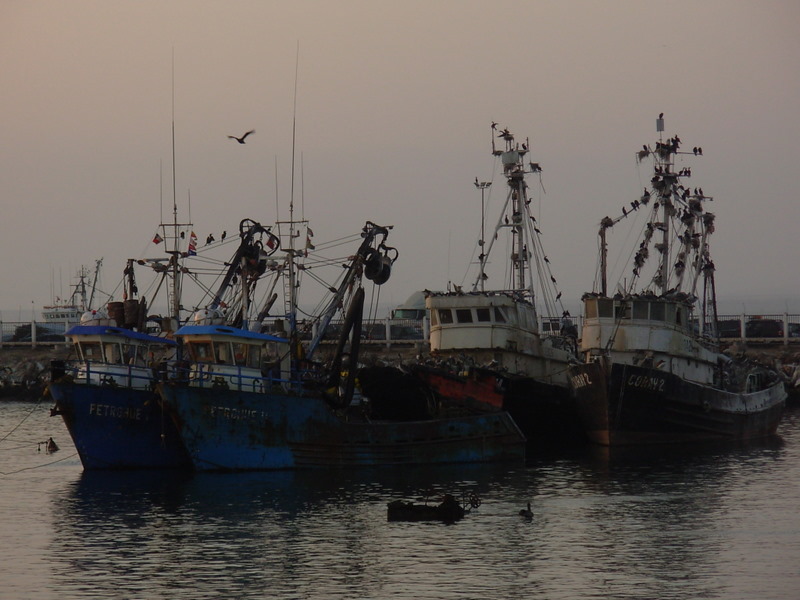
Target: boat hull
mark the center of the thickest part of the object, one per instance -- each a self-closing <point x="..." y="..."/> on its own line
<point x="628" y="405"/>
<point x="118" y="427"/>
<point x="544" y="412"/>
<point x="227" y="429"/>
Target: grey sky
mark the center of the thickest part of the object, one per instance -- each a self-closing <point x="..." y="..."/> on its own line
<point x="393" y="111"/>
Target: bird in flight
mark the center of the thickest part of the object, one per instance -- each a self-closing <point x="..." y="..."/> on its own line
<point x="241" y="139"/>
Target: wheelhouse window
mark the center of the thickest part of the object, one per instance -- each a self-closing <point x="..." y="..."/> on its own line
<point x="499" y="317"/>
<point x="445" y="316"/>
<point x="605" y="308"/>
<point x="113" y="353"/>
<point x="201" y="351"/>
<point x="670" y="309"/>
<point x="134" y="355"/>
<point x="640" y="310"/>
<point x="657" y="311"/>
<point x="247" y="355"/>
<point x="91" y="351"/>
<point x="464" y="315"/>
<point x="240" y="354"/>
<point x="224" y="353"/>
<point x="484" y="315"/>
<point x="622" y="310"/>
<point x="254" y="356"/>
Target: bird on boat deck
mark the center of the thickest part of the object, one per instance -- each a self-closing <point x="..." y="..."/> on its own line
<point x="241" y="139"/>
<point x="527" y="513"/>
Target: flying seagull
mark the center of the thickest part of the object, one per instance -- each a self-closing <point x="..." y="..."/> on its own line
<point x="241" y="139"/>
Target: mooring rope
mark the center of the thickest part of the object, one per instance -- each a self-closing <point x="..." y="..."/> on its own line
<point x="31" y="468"/>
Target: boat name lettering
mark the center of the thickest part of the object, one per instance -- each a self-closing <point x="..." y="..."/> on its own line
<point x="236" y="414"/>
<point x="581" y="380"/>
<point x="645" y="382"/>
<point x="117" y="412"/>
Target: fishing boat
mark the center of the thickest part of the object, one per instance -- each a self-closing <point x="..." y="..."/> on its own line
<point x="652" y="370"/>
<point x="487" y="350"/>
<point x="70" y="310"/>
<point x="248" y="399"/>
<point x="107" y="401"/>
<point x="105" y="391"/>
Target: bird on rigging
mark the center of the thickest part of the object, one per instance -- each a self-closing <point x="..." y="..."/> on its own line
<point x="241" y="139"/>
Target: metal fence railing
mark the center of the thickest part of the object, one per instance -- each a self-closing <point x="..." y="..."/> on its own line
<point x="783" y="327"/>
<point x="32" y="333"/>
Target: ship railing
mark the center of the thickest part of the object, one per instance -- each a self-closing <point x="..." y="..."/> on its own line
<point x="106" y="374"/>
<point x="235" y="377"/>
<point x="387" y="332"/>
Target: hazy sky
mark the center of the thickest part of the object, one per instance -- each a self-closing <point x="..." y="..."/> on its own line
<point x="394" y="102"/>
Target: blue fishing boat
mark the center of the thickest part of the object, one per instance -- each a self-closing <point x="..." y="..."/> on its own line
<point x="108" y="403"/>
<point x="105" y="390"/>
<point x="247" y="400"/>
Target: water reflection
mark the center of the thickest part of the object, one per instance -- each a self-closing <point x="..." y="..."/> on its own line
<point x="636" y="524"/>
<point x="148" y="532"/>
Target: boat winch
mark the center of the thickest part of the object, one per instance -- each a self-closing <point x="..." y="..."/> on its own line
<point x="378" y="264"/>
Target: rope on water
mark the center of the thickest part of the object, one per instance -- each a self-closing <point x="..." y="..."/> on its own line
<point x="25" y="418"/>
<point x="6" y="473"/>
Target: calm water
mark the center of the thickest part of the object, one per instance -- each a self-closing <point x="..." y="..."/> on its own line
<point x="703" y="523"/>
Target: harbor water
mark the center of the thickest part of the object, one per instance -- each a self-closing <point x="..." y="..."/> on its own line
<point x="666" y="523"/>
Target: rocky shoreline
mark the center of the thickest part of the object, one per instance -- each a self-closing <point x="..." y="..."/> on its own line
<point x="25" y="372"/>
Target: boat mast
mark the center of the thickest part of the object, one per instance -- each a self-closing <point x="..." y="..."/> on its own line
<point x="665" y="198"/>
<point x="604" y="225"/>
<point x="512" y="158"/>
<point x="482" y="186"/>
<point x="176" y="280"/>
<point x="80" y="290"/>
<point x="97" y="265"/>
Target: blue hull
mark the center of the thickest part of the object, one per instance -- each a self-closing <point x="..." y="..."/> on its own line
<point x="234" y="430"/>
<point x="118" y="428"/>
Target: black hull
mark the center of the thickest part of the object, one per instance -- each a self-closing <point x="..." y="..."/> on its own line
<point x="629" y="405"/>
<point x="545" y="413"/>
